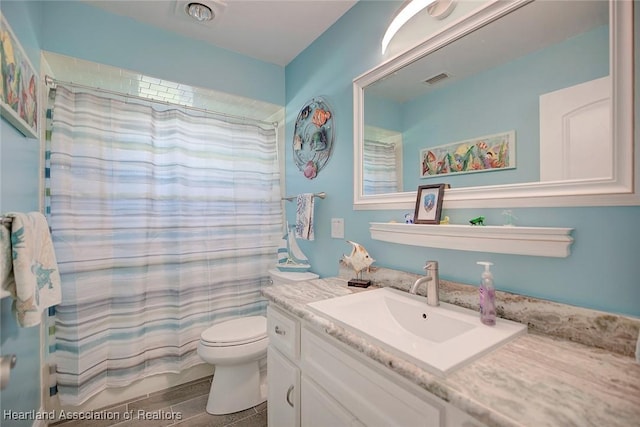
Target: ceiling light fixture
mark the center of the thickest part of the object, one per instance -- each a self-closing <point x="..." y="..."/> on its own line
<point x="199" y="12"/>
<point x="407" y="12"/>
<point x="438" y="9"/>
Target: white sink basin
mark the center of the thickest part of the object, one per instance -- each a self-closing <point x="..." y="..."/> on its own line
<point x="438" y="339"/>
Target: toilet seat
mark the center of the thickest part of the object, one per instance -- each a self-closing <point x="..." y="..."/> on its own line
<point x="240" y="331"/>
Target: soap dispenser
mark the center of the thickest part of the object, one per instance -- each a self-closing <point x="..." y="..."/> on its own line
<point x="487" y="295"/>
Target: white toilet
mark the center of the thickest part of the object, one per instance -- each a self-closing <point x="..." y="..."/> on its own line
<point x="236" y="348"/>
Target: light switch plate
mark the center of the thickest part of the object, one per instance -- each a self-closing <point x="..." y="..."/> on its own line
<point x="337" y="228"/>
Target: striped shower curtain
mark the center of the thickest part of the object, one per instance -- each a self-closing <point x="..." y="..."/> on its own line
<point x="163" y="223"/>
<point x="379" y="165"/>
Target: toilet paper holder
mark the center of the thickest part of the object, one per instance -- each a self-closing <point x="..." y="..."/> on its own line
<point x="12" y="360"/>
<point x="7" y="363"/>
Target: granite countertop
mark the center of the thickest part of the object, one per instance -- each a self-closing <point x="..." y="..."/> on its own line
<point x="535" y="380"/>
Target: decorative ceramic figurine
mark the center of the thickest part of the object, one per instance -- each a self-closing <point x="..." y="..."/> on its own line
<point x="477" y="221"/>
<point x="358" y="261"/>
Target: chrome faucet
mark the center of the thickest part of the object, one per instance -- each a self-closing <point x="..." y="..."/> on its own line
<point x="433" y="283"/>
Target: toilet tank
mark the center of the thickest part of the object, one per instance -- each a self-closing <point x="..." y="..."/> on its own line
<point x="283" y="277"/>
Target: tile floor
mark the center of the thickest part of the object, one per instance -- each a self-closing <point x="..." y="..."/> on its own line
<point x="180" y="406"/>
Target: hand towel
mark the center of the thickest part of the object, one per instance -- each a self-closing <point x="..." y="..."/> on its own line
<point x="304" y="216"/>
<point x="37" y="284"/>
<point x="6" y="260"/>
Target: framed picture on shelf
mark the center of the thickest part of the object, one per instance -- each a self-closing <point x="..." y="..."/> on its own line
<point x="19" y="86"/>
<point x="429" y="204"/>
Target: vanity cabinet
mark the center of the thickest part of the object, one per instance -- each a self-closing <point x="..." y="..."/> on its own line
<point x="317" y="381"/>
<point x="368" y="394"/>
<point x="320" y="410"/>
<point x="283" y="373"/>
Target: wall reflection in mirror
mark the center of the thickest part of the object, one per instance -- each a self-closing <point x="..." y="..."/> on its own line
<point x="541" y="71"/>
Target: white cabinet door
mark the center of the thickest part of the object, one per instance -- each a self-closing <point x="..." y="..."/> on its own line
<point x="366" y="392"/>
<point x="319" y="410"/>
<point x="283" y="399"/>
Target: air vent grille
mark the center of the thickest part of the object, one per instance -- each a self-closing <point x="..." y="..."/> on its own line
<point x="437" y="78"/>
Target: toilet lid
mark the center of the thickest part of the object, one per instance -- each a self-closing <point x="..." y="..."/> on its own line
<point x="236" y="331"/>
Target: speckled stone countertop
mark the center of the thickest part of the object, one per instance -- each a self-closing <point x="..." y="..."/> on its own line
<point x="535" y="380"/>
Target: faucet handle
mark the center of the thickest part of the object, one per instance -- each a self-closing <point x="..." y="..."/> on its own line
<point x="430" y="265"/>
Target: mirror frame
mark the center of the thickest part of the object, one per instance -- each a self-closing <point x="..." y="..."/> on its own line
<point x="615" y="190"/>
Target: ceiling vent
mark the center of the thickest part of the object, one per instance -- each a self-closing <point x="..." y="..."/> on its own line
<point x="437" y="78"/>
<point x="200" y="11"/>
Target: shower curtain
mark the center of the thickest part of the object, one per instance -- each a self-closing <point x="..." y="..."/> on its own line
<point x="163" y="222"/>
<point x="380" y="167"/>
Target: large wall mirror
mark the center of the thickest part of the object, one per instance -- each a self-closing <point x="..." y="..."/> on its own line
<point x="552" y="77"/>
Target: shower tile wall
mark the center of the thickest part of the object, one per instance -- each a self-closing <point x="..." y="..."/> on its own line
<point x="101" y="76"/>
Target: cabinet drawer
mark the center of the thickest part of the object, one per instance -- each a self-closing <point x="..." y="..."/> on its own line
<point x="284" y="332"/>
<point x="371" y="397"/>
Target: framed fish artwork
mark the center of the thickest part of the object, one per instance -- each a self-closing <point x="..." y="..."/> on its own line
<point x="19" y="88"/>
<point x="480" y="154"/>
<point x="313" y="137"/>
<point x="429" y="204"/>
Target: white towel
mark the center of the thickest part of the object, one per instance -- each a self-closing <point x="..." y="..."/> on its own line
<point x="304" y="216"/>
<point x="6" y="260"/>
<point x="35" y="269"/>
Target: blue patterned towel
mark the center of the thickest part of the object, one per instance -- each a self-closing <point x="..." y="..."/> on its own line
<point x="36" y="284"/>
<point x="304" y="216"/>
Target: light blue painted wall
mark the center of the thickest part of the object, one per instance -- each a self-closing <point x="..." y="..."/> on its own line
<point x="19" y="174"/>
<point x="76" y="29"/>
<point x="602" y="271"/>
<point x="383" y="113"/>
<point x="504" y="98"/>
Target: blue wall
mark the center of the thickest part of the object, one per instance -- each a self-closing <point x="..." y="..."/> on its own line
<point x="602" y="271"/>
<point x="19" y="175"/>
<point x="505" y="98"/>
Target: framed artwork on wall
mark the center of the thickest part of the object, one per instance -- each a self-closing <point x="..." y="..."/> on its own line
<point x="480" y="154"/>
<point x="19" y="86"/>
<point x="429" y="204"/>
<point x="313" y="137"/>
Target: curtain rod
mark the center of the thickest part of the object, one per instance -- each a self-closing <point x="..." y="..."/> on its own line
<point x="51" y="82"/>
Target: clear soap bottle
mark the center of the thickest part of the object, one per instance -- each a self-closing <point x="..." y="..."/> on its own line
<point x="487" y="295"/>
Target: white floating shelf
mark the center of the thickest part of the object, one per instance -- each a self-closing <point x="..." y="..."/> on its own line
<point x="533" y="241"/>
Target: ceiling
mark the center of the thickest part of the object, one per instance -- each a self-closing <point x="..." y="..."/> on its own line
<point x="493" y="45"/>
<point x="269" y="30"/>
